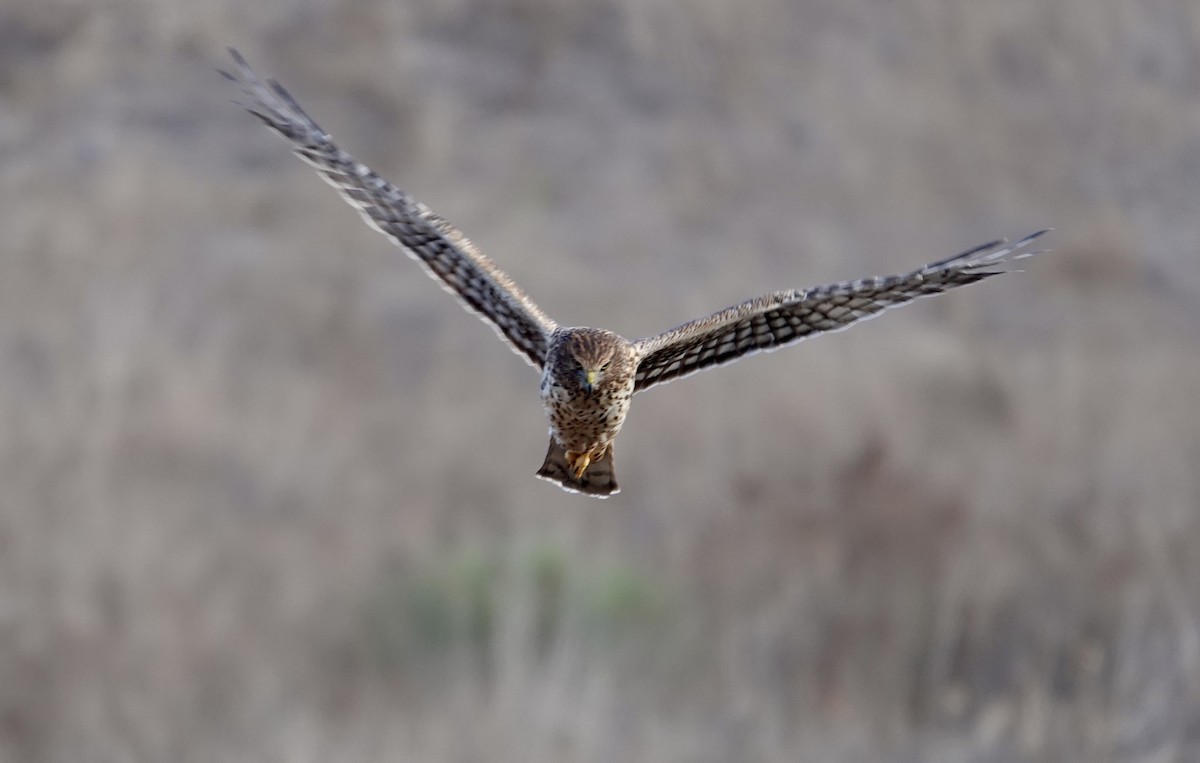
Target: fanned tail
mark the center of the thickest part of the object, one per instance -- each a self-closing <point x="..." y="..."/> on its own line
<point x="598" y="480"/>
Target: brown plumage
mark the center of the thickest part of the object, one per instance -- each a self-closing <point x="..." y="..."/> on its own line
<point x="587" y="384"/>
<point x="589" y="375"/>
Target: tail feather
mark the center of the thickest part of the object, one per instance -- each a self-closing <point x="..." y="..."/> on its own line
<point x="598" y="480"/>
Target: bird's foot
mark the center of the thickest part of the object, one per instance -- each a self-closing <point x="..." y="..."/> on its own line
<point x="578" y="462"/>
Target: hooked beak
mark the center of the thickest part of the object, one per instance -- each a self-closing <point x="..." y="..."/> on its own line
<point x="589" y="380"/>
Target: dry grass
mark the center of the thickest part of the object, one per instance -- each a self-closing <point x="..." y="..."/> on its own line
<point x="242" y="517"/>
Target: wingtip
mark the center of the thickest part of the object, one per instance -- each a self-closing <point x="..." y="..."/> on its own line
<point x="1020" y="244"/>
<point x="1016" y="251"/>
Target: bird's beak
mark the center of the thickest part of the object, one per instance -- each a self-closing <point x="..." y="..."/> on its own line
<point x="589" y="379"/>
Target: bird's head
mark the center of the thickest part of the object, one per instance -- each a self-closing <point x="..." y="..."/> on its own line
<point x="590" y="359"/>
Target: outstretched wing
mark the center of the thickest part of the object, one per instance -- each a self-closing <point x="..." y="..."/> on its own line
<point x="785" y="317"/>
<point x="444" y="251"/>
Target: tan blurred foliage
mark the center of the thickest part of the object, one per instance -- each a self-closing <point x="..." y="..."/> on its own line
<point x="245" y="514"/>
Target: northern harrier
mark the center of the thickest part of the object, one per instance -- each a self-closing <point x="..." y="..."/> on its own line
<point x="590" y="375"/>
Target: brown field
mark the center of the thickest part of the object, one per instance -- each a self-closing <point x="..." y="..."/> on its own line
<point x="267" y="493"/>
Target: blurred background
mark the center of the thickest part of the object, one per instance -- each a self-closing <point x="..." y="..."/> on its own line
<point x="268" y="494"/>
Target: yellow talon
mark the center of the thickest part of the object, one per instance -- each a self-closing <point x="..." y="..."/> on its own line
<point x="579" y="462"/>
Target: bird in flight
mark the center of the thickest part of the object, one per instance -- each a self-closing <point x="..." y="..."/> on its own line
<point x="590" y="375"/>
